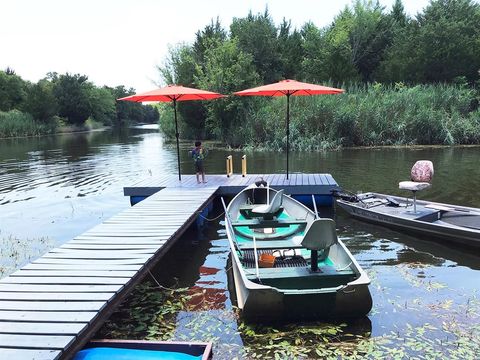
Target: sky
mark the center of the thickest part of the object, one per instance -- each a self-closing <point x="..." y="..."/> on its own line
<point x="120" y="42"/>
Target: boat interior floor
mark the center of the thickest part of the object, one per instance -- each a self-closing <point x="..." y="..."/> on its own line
<point x="248" y="259"/>
<point x="462" y="219"/>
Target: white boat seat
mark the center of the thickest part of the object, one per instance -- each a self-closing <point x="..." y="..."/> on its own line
<point x="272" y="208"/>
<point x="413" y="186"/>
<point x="320" y="235"/>
<point x="420" y="176"/>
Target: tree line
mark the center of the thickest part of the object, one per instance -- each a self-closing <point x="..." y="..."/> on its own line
<point x="28" y="108"/>
<point x="365" y="48"/>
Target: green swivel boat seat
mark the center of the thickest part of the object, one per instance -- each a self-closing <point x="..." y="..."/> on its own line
<point x="320" y="236"/>
<point x="268" y="211"/>
<point x="420" y="176"/>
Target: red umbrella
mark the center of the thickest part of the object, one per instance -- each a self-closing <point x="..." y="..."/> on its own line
<point x="173" y="93"/>
<point x="289" y="88"/>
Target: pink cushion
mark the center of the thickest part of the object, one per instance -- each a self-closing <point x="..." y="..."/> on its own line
<point x="422" y="171"/>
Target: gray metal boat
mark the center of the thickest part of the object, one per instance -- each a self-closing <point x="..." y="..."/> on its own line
<point x="288" y="263"/>
<point x="437" y="221"/>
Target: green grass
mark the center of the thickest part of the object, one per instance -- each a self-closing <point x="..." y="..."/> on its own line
<point x="17" y="124"/>
<point x="365" y="115"/>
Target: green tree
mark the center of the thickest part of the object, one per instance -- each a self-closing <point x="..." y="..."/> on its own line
<point x="257" y="35"/>
<point x="73" y="97"/>
<point x="40" y="101"/>
<point x="439" y="45"/>
<point x="102" y="102"/>
<point x="12" y="90"/>
<point x="333" y="54"/>
<point x="369" y="37"/>
<point x="290" y="43"/>
<point x="228" y="69"/>
<point x="449" y="40"/>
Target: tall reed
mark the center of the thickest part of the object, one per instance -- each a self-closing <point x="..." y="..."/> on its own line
<point x="16" y="123"/>
<point x="368" y="116"/>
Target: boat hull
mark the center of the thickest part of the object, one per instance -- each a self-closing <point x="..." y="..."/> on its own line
<point x="281" y="295"/>
<point x="201" y="350"/>
<point x="271" y="304"/>
<point x="426" y="225"/>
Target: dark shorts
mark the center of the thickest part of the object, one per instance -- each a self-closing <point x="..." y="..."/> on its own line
<point x="199" y="166"/>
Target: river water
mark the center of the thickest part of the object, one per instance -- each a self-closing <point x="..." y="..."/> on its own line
<point x="425" y="294"/>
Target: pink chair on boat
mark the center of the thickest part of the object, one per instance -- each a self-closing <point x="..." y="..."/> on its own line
<point x="421" y="175"/>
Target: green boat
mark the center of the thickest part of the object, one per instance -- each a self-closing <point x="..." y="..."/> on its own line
<point x="289" y="264"/>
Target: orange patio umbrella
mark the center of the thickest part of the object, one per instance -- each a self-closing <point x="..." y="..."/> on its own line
<point x="289" y="88"/>
<point x="173" y="93"/>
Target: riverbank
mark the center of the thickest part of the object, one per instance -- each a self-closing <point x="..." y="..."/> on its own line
<point x="365" y="115"/>
<point x="16" y="124"/>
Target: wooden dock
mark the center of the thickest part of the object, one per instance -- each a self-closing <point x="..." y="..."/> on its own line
<point x="50" y="308"/>
<point x="297" y="184"/>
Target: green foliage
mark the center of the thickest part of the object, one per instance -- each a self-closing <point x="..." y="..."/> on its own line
<point x="102" y="105"/>
<point x="73" y="96"/>
<point x="441" y="44"/>
<point x="368" y="116"/>
<point x="12" y="90"/>
<point x="40" y="101"/>
<point x="38" y="107"/>
<point x="15" y="123"/>
<point x="257" y="35"/>
<point x="227" y="69"/>
<point x="362" y="45"/>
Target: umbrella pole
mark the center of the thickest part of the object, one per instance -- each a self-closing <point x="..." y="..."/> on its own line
<point x="288" y="126"/>
<point x="176" y="134"/>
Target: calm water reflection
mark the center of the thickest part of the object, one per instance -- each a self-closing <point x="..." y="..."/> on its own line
<point x="58" y="187"/>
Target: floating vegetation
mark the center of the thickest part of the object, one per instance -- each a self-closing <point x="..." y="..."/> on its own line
<point x="158" y="313"/>
<point x="16" y="252"/>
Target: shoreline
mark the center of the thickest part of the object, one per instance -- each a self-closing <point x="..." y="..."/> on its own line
<point x="62" y="131"/>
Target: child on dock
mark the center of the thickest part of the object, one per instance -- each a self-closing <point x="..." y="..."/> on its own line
<point x="198" y="154"/>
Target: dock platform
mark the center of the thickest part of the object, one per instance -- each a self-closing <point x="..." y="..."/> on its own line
<point x="296" y="184"/>
<point x="50" y="308"/>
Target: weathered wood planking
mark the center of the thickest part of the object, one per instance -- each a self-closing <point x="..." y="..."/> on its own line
<point x="38" y="328"/>
<point x="53" y="342"/>
<point x="49" y="308"/>
<point x="47" y="316"/>
<point x="58" y="288"/>
<point x="51" y="305"/>
<point x="57" y="296"/>
<point x="298" y="183"/>
<point x="27" y="354"/>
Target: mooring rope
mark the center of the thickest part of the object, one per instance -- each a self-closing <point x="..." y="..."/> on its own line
<point x="214" y="219"/>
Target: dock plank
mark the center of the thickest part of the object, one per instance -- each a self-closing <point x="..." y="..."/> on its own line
<point x="8" y="287"/>
<point x="28" y="354"/>
<point x="53" y="280"/>
<point x="85" y="267"/>
<point x="52" y="260"/>
<point x="51" y="305"/>
<point x="74" y="273"/>
<point x="89" y="296"/>
<point x="47" y="316"/>
<point x="39" y="328"/>
<point x="55" y="342"/>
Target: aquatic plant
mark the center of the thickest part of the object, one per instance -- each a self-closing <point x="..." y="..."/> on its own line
<point x="15" y="123"/>
<point x="16" y="252"/>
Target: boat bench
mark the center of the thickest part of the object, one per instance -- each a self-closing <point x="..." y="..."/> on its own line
<point x="298" y="272"/>
<point x="270" y="245"/>
<point x="262" y="223"/>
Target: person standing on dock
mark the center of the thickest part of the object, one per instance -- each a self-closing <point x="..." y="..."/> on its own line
<point x="198" y="154"/>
